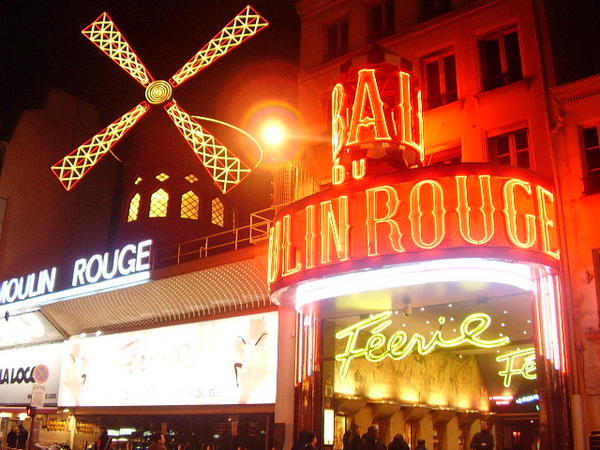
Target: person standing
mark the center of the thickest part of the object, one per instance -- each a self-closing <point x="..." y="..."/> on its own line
<point x="158" y="442"/>
<point x="371" y="440"/>
<point x="22" y="437"/>
<point x="484" y="440"/>
<point x="352" y="438"/>
<point x="11" y="438"/>
<point x="421" y="445"/>
<point x="398" y="443"/>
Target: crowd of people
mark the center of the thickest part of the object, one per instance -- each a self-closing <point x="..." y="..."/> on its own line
<point x="352" y="440"/>
<point x="17" y="437"/>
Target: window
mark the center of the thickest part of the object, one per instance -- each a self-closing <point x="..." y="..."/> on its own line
<point x="190" y="205"/>
<point x="500" y="59"/>
<point x="510" y="148"/>
<point x="439" y="72"/>
<point x="591" y="150"/>
<point x="158" y="204"/>
<point x="134" y="208"/>
<point x="434" y="8"/>
<point x="337" y="39"/>
<point x="382" y="19"/>
<point x="218" y="212"/>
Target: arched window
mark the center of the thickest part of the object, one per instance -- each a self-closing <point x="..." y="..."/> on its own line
<point x="218" y="212"/>
<point x="134" y="208"/>
<point x="189" y="206"/>
<point x="158" y="204"/>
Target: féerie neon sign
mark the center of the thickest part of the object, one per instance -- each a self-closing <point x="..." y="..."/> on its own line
<point x="398" y="346"/>
<point x="526" y="369"/>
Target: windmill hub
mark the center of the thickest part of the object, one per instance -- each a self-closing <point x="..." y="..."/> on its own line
<point x="158" y="92"/>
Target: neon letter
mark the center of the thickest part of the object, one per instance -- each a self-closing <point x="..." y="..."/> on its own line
<point x="545" y="197"/>
<point x="366" y="90"/>
<point x="338" y="122"/>
<point x="510" y="211"/>
<point x="392" y="203"/>
<point x="405" y="127"/>
<point x="130" y="267"/>
<point x="274" y="252"/>
<point x="340" y="230"/>
<point x="78" y="272"/>
<point x="527" y="369"/>
<point x="310" y="237"/>
<point x="464" y="209"/>
<point x="288" y="250"/>
<point x="438" y="213"/>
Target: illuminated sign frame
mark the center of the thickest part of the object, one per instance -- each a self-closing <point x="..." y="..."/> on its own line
<point x="125" y="266"/>
<point x="471" y="210"/>
<point x="399" y="346"/>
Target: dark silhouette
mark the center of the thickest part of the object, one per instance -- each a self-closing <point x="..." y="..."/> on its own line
<point x="11" y="438"/>
<point x="484" y="439"/>
<point x="351" y="438"/>
<point x="22" y="437"/>
<point x="421" y="445"/>
<point x="371" y="440"/>
<point x="398" y="443"/>
<point x="158" y="442"/>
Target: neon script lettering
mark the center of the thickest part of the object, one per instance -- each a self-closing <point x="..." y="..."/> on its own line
<point x="526" y="368"/>
<point x="398" y="346"/>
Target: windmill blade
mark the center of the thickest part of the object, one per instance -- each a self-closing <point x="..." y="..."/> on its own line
<point x="71" y="169"/>
<point x="107" y="37"/>
<point x="243" y="26"/>
<point x="226" y="170"/>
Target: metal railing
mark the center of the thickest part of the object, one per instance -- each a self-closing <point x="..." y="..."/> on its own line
<point x="255" y="232"/>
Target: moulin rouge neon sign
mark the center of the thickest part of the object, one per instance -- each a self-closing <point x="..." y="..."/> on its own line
<point x="393" y="215"/>
<point x="386" y="218"/>
<point x="398" y="346"/>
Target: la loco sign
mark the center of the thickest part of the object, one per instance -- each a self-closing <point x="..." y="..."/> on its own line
<point x="481" y="210"/>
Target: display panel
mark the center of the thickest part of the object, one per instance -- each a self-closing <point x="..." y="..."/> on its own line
<point x="17" y="368"/>
<point x="226" y="361"/>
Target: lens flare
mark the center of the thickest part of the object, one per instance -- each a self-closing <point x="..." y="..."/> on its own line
<point x="273" y="133"/>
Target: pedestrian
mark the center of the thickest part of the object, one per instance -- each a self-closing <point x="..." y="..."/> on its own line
<point x="371" y="440"/>
<point x="104" y="440"/>
<point x="421" y="445"/>
<point x="158" y="442"/>
<point x="398" y="443"/>
<point x="351" y="438"/>
<point x="22" y="437"/>
<point x="483" y="440"/>
<point x="302" y="440"/>
<point x="11" y="438"/>
<point x="311" y="442"/>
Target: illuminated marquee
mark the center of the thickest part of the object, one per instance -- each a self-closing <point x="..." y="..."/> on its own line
<point x="449" y="211"/>
<point x="398" y="346"/>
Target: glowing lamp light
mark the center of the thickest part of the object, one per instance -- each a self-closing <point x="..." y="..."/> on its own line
<point x="443" y="270"/>
<point x="274" y="133"/>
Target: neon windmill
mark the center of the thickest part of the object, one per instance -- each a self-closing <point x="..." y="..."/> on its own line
<point x="225" y="169"/>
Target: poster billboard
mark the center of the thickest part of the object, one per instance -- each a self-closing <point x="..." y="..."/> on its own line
<point x="18" y="369"/>
<point x="225" y="361"/>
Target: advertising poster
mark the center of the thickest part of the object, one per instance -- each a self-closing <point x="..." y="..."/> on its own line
<point x="19" y="369"/>
<point x="217" y="362"/>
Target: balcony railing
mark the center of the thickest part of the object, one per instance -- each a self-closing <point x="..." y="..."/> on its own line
<point x="255" y="232"/>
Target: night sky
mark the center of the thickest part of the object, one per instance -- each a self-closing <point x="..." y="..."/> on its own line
<point x="43" y="48"/>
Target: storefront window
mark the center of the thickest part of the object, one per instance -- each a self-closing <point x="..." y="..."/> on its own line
<point x="438" y="370"/>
